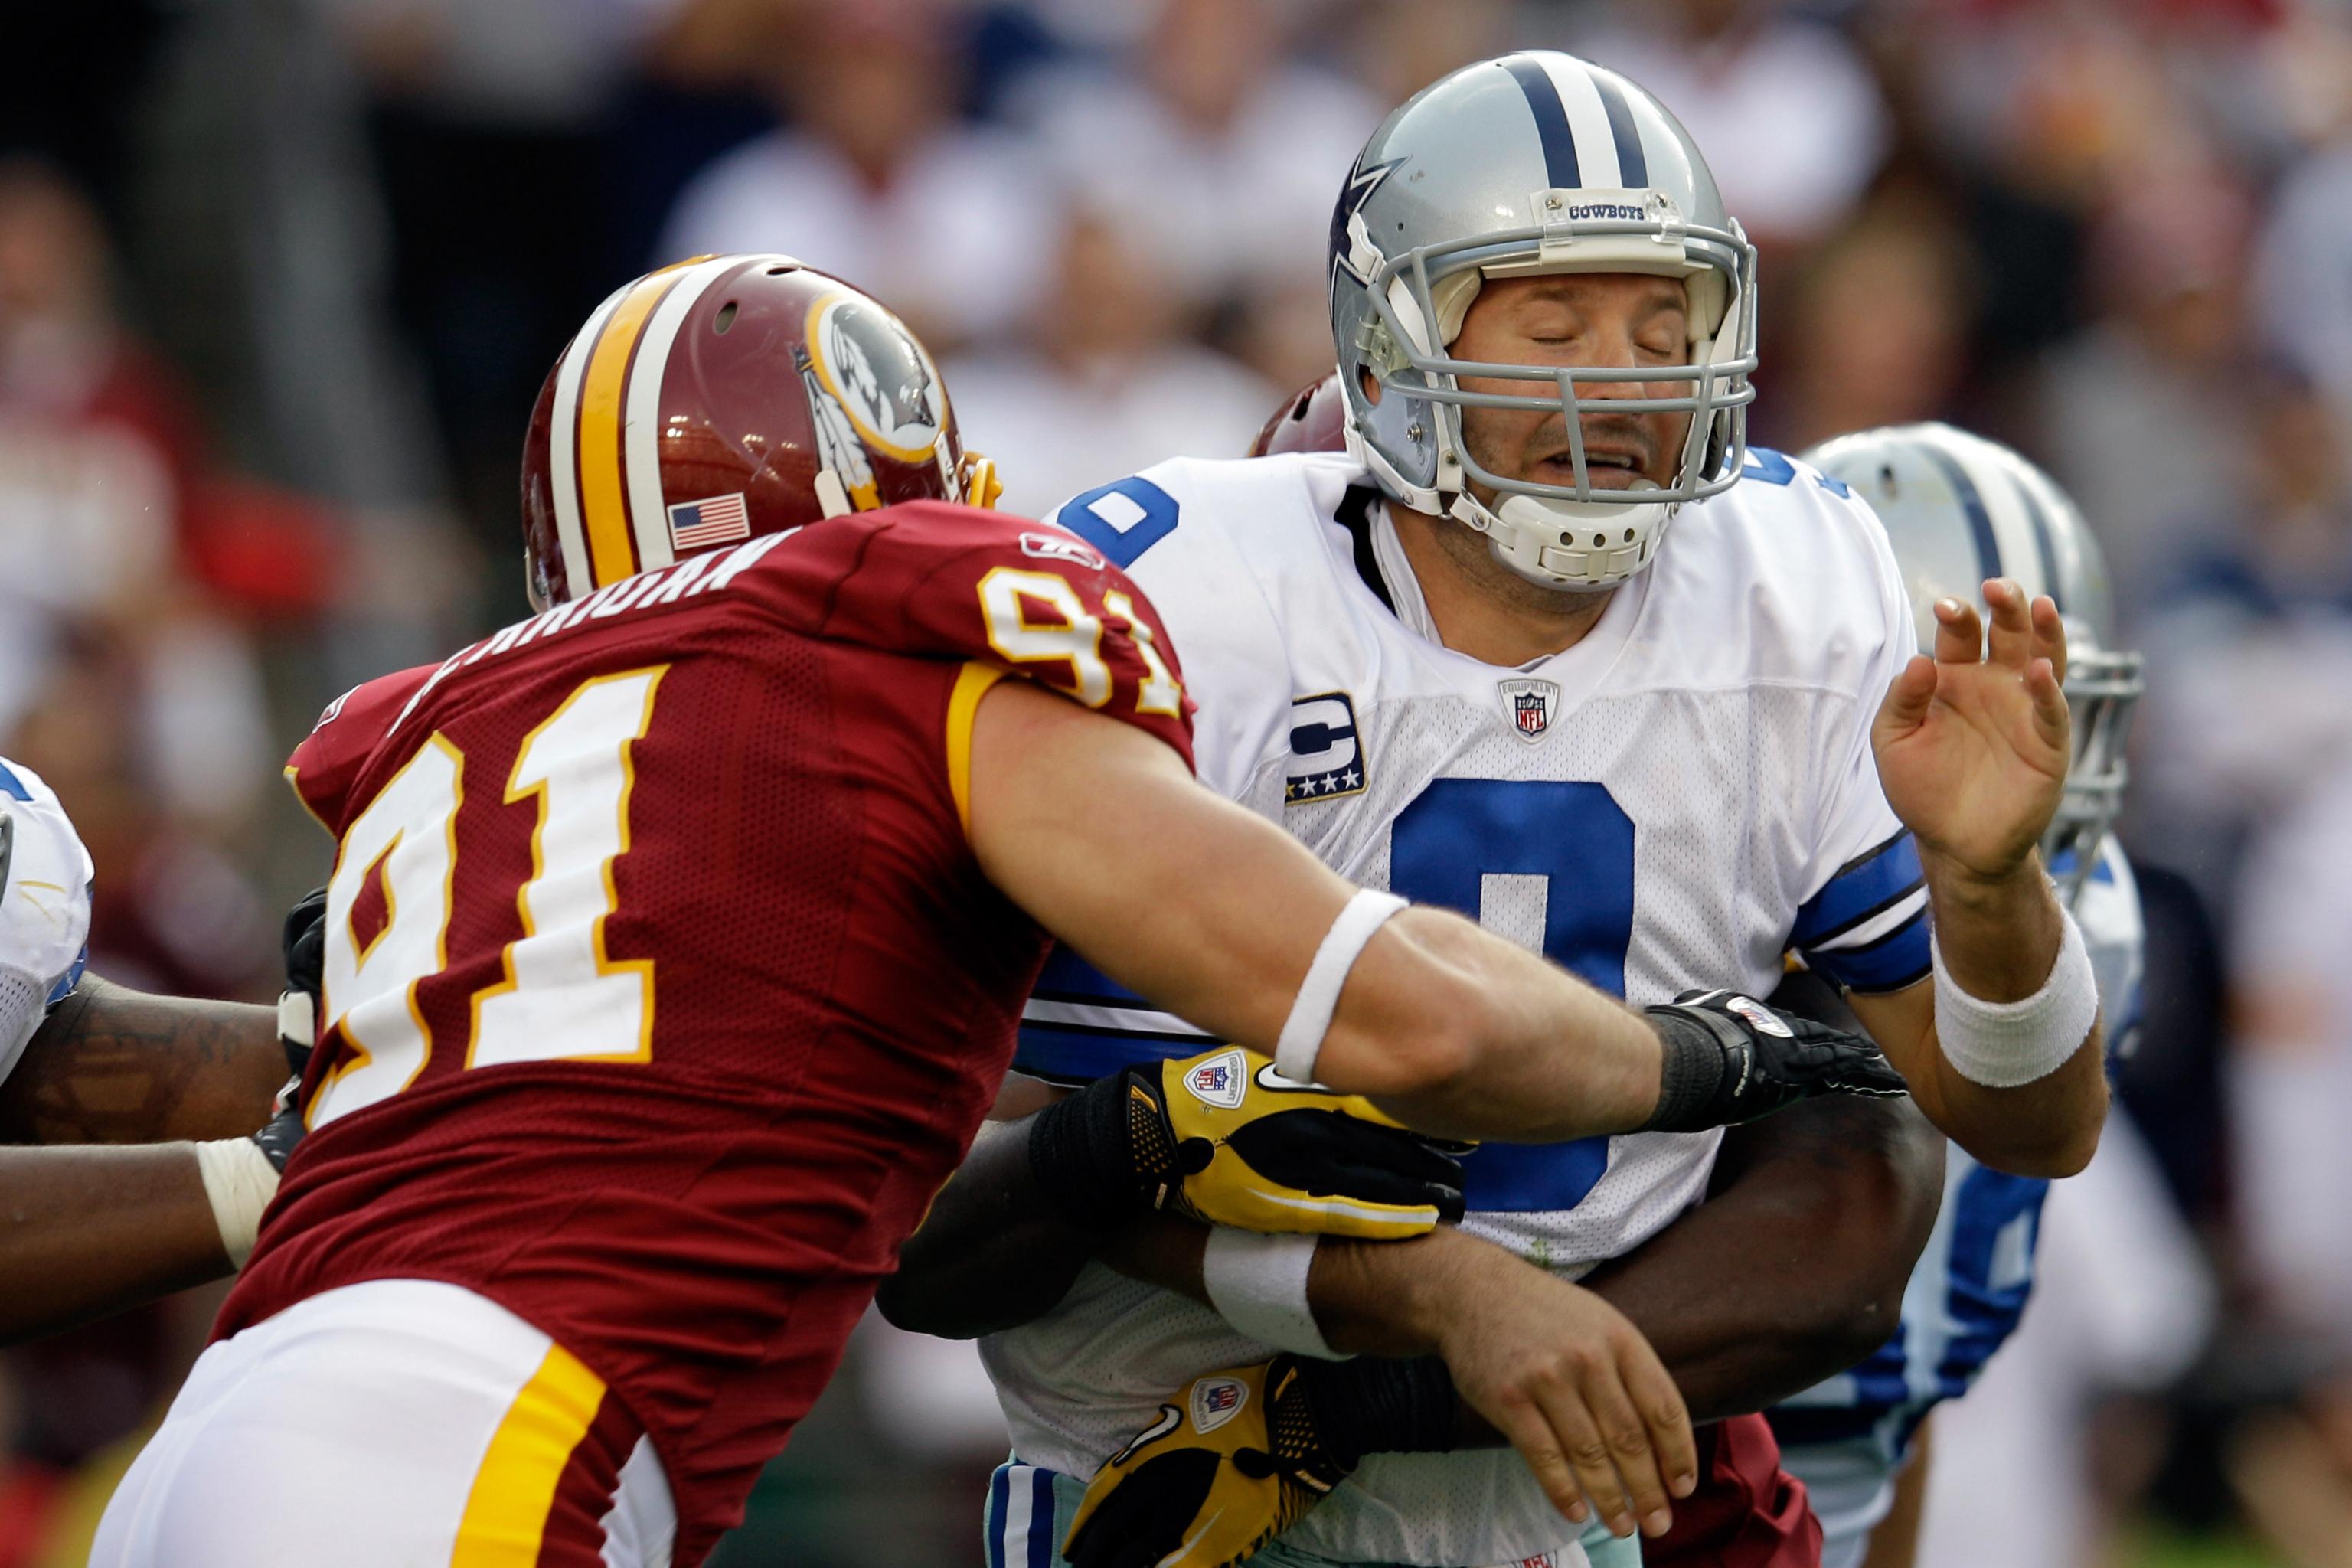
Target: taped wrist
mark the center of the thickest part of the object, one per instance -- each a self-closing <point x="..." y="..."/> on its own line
<point x="1690" y="1073"/>
<point x="1104" y="1153"/>
<point x="239" y="1181"/>
<point x="1375" y="1407"/>
<point x="2006" y="1044"/>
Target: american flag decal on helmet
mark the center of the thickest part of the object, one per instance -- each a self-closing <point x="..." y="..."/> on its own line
<point x="712" y="521"/>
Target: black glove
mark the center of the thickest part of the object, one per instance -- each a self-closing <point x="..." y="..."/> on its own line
<point x="1225" y="1139"/>
<point x="1731" y="1059"/>
<point x="304" y="945"/>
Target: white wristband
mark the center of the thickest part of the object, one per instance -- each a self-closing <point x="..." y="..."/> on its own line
<point x="1258" y="1284"/>
<point x="240" y="1181"/>
<point x="1318" y="994"/>
<point x="2001" y="1044"/>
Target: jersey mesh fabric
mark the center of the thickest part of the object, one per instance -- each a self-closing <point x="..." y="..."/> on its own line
<point x="835" y="986"/>
<point x="24" y="1002"/>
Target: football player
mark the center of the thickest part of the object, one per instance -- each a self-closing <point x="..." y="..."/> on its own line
<point x="1550" y="644"/>
<point x="1958" y="509"/>
<point x="677" y="941"/>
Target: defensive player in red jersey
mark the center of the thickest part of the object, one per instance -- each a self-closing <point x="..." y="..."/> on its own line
<point x="674" y="950"/>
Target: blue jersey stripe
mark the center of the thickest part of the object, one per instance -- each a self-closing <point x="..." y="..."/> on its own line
<point x="1551" y="118"/>
<point x="1066" y="1053"/>
<point x="69" y="979"/>
<point x="1532" y="1178"/>
<point x="1894" y="961"/>
<point x="1067" y="977"/>
<point x="1042" y="1533"/>
<point x="10" y="784"/>
<point x="999" y="1495"/>
<point x="1869" y="882"/>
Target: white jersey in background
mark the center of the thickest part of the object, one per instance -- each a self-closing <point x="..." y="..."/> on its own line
<point x="1846" y="1439"/>
<point x="1676" y="801"/>
<point x="44" y="874"/>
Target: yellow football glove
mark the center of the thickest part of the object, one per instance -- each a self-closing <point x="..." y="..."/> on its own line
<point x="1225" y="1138"/>
<point x="1233" y="1463"/>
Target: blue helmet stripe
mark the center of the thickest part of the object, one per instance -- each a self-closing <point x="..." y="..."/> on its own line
<point x="1632" y="165"/>
<point x="2044" y="545"/>
<point x="1551" y="120"/>
<point x="1980" y="523"/>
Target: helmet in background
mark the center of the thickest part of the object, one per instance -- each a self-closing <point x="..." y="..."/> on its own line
<point x="1315" y="419"/>
<point x="1959" y="509"/>
<point x="723" y="398"/>
<point x="1533" y="163"/>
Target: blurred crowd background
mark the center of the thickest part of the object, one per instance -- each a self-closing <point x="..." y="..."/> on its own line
<point x="279" y="280"/>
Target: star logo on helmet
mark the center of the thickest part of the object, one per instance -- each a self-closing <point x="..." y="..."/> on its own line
<point x="1352" y="250"/>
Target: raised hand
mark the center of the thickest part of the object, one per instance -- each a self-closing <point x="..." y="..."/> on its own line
<point x="1973" y="744"/>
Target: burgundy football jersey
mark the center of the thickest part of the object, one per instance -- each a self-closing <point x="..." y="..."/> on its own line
<point x="662" y="989"/>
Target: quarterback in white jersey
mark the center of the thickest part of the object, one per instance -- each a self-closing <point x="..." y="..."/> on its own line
<point x="45" y="876"/>
<point x="1576" y="804"/>
<point x="1468" y="662"/>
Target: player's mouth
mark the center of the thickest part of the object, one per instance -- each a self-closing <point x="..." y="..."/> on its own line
<point x="1605" y="467"/>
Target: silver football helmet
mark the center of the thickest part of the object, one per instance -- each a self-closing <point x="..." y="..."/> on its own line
<point x="1534" y="162"/>
<point x="1959" y="509"/>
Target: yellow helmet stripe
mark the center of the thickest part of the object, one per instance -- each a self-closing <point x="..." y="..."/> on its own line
<point x="603" y="503"/>
<point x="563" y="468"/>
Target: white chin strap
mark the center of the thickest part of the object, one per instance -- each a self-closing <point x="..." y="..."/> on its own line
<point x="1580" y="547"/>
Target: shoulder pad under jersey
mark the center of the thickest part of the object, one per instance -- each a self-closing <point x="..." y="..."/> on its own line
<point x="936" y="579"/>
<point x="1232" y="552"/>
<point x="326" y="762"/>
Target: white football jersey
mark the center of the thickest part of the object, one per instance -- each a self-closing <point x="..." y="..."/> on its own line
<point x="45" y="876"/>
<point x="1676" y="801"/>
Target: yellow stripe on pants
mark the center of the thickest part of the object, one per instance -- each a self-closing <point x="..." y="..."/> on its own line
<point x="515" y="1489"/>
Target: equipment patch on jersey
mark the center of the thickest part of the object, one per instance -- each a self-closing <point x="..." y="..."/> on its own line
<point x="1043" y="546"/>
<point x="1528" y="704"/>
<point x="1325" y="760"/>
<point x="1220" y="1082"/>
<point x="1217" y="1400"/>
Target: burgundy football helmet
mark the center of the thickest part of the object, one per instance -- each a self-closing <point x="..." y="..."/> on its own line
<point x="1315" y="419"/>
<point x="723" y="398"/>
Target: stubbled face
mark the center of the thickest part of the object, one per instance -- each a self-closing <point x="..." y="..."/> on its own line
<point x="1615" y="321"/>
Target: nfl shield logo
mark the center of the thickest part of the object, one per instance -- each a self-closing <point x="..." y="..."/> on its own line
<point x="1220" y="1081"/>
<point x="1529" y="704"/>
<point x="1215" y="1401"/>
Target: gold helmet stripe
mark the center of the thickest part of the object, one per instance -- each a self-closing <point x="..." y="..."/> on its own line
<point x="562" y="468"/>
<point x="603" y="501"/>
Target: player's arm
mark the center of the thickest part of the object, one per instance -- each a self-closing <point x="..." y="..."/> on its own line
<point x="111" y="1065"/>
<point x="86" y="1232"/>
<point x="2002" y="1046"/>
<point x="1791" y="1271"/>
<point x="1098" y="831"/>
